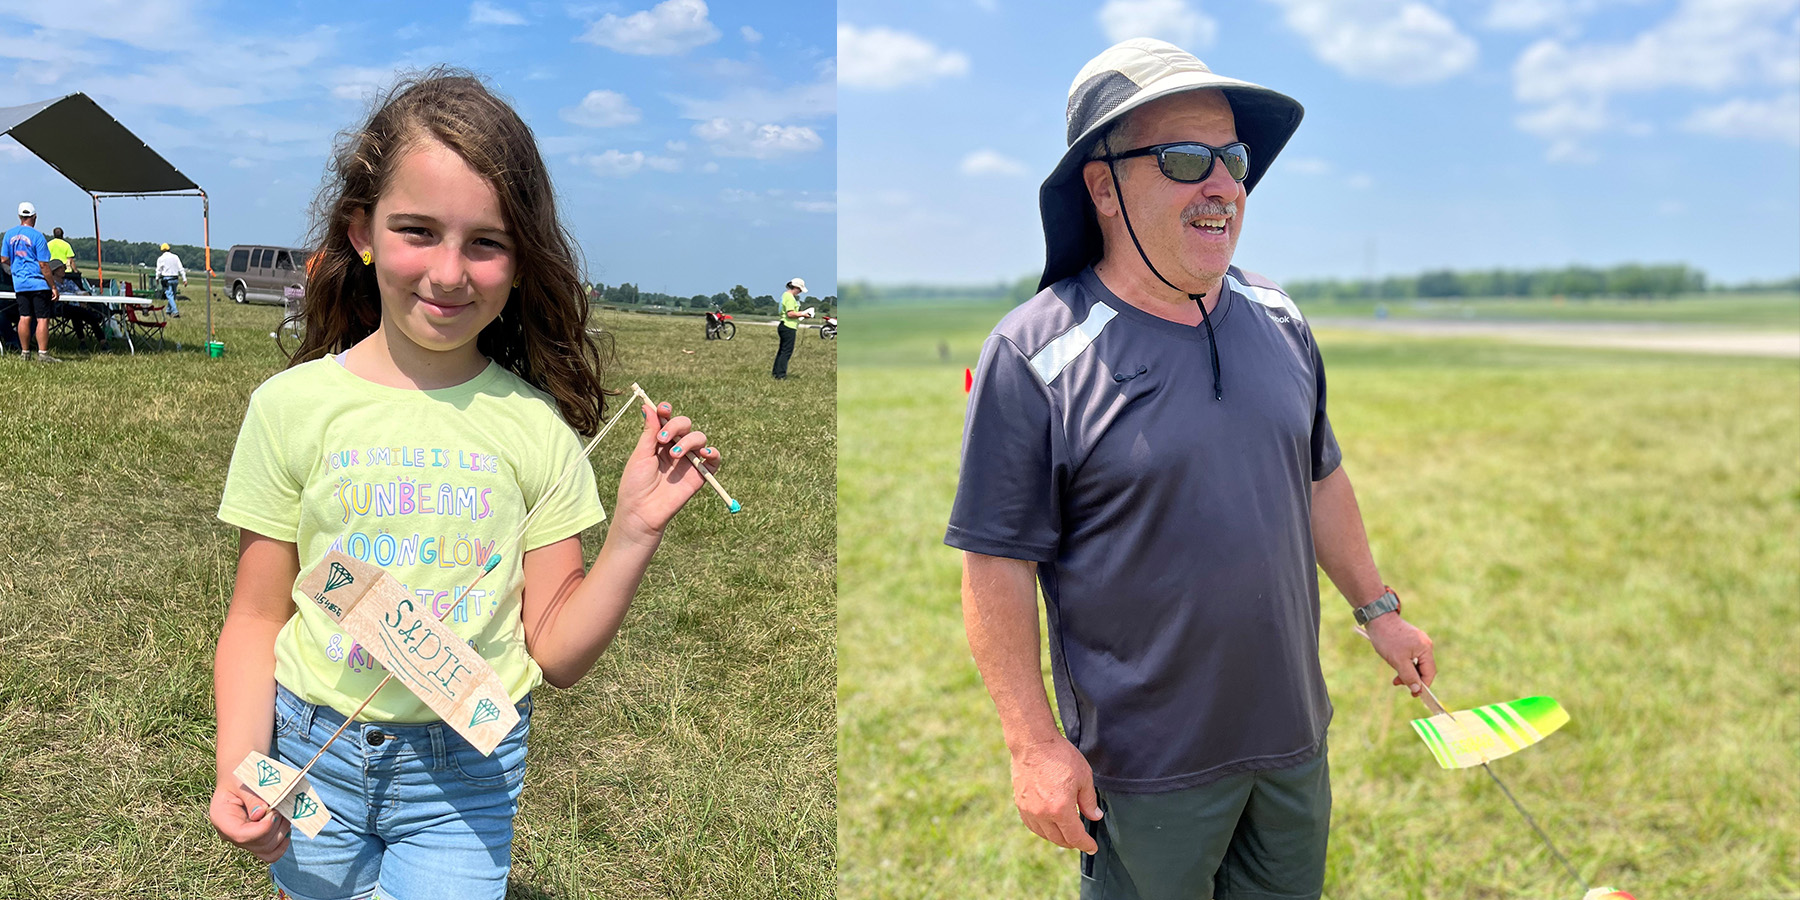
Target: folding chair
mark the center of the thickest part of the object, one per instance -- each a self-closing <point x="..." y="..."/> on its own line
<point x="146" y="322"/>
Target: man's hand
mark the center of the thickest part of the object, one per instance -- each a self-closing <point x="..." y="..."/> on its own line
<point x="1053" y="786"/>
<point x="1406" y="648"/>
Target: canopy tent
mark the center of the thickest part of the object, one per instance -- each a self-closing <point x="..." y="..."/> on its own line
<point x="102" y="157"/>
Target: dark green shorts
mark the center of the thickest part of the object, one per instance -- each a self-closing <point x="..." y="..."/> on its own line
<point x="1251" y="836"/>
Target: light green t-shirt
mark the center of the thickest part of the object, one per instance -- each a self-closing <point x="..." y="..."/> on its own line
<point x="789" y="303"/>
<point x="425" y="484"/>
<point x="60" y="249"/>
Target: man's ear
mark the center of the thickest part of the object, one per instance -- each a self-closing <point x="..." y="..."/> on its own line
<point x="1098" y="176"/>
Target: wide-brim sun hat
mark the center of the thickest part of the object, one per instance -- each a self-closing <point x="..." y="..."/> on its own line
<point x="1122" y="78"/>
<point x="165" y="246"/>
<point x="797" y="282"/>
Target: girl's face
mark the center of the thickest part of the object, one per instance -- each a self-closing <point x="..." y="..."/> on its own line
<point x="443" y="258"/>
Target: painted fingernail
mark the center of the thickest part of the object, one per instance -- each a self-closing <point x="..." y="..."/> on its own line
<point x="663" y="437"/>
<point x="708" y="451"/>
<point x="676" y="451"/>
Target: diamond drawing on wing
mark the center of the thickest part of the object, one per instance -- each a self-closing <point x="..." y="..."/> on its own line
<point x="304" y="806"/>
<point x="266" y="774"/>
<point x="485" y="711"/>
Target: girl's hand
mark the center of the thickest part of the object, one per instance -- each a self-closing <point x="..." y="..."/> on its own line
<point x="242" y="818"/>
<point x="660" y="476"/>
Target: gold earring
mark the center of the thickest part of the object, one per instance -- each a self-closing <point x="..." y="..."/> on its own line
<point x="368" y="257"/>
<point x="517" y="279"/>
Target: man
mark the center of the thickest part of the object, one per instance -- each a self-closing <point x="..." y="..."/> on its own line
<point x="788" y="325"/>
<point x="1147" y="440"/>
<point x="169" y="270"/>
<point x="26" y="255"/>
<point x="61" y="251"/>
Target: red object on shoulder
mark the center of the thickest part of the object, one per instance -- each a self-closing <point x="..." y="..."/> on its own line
<point x="968" y="380"/>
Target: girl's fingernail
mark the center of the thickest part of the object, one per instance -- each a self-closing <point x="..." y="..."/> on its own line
<point x="676" y="451"/>
<point x="663" y="437"/>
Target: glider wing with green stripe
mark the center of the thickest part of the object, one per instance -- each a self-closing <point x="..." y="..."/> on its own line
<point x="1470" y="737"/>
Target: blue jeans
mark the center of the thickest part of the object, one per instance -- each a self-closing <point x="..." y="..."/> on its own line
<point x="415" y="811"/>
<point x="168" y="290"/>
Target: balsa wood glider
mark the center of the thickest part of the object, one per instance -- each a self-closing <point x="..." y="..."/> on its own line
<point x="1475" y="737"/>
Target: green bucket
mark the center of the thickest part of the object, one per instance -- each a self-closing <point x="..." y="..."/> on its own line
<point x="215" y="349"/>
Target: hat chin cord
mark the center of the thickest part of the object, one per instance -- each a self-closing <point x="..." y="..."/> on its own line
<point x="1212" y="342"/>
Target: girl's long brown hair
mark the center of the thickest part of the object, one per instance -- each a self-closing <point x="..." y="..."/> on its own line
<point x="541" y="335"/>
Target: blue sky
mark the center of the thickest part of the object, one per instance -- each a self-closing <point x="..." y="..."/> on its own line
<point x="692" y="147"/>
<point x="1478" y="133"/>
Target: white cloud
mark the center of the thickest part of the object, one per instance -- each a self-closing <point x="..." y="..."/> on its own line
<point x="811" y="100"/>
<point x="738" y="195"/>
<point x="882" y="59"/>
<point x="1562" y="16"/>
<point x="1360" y="181"/>
<point x="239" y="162"/>
<point x="1706" y="45"/>
<point x="482" y="12"/>
<point x="751" y="35"/>
<point x="149" y="24"/>
<point x="816" y="206"/>
<point x="1171" y="20"/>
<point x="676" y="146"/>
<point x="711" y="168"/>
<point x="669" y="27"/>
<point x="358" y="83"/>
<point x="603" y="109"/>
<point x="618" y="164"/>
<point x="1777" y="119"/>
<point x="1306" y="165"/>
<point x="1394" y="41"/>
<point x="740" y="137"/>
<point x="989" y="162"/>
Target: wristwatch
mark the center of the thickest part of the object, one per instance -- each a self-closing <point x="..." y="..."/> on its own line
<point x="1386" y="603"/>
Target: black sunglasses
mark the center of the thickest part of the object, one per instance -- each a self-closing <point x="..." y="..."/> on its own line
<point x="1189" y="162"/>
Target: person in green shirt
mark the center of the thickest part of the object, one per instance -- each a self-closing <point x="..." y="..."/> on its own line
<point x="789" y="325"/>
<point x="60" y="250"/>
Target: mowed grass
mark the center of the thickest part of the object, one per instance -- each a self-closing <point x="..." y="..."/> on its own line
<point x="696" y="760"/>
<point x="1620" y="531"/>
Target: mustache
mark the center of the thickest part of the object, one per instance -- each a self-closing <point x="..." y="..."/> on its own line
<point x="1209" y="209"/>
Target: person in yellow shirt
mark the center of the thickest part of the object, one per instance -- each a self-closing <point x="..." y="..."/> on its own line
<point x="788" y="326"/>
<point x="60" y="250"/>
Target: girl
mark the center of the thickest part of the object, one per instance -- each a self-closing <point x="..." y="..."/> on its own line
<point x="427" y="410"/>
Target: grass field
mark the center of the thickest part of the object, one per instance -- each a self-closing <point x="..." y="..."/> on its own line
<point x="1618" y="530"/>
<point x="696" y="760"/>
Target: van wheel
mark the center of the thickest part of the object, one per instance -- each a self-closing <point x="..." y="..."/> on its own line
<point x="237" y="293"/>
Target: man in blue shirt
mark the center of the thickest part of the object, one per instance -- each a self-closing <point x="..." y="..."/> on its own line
<point x="26" y="254"/>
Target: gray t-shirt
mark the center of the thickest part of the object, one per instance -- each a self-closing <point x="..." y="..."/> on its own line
<point x="1172" y="531"/>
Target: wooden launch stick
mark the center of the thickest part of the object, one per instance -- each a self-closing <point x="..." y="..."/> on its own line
<point x="730" y="504"/>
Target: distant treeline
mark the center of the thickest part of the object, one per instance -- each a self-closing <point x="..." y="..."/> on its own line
<point x="126" y="253"/>
<point x="736" y="301"/>
<point x="1630" y="280"/>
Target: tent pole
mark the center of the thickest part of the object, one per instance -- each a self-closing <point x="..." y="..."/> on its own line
<point x="99" y="256"/>
<point x="206" y="246"/>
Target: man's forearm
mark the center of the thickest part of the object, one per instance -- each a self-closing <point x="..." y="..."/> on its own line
<point x="1340" y="542"/>
<point x="1000" y="615"/>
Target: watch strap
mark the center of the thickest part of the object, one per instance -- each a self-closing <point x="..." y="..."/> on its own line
<point x="1388" y="602"/>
